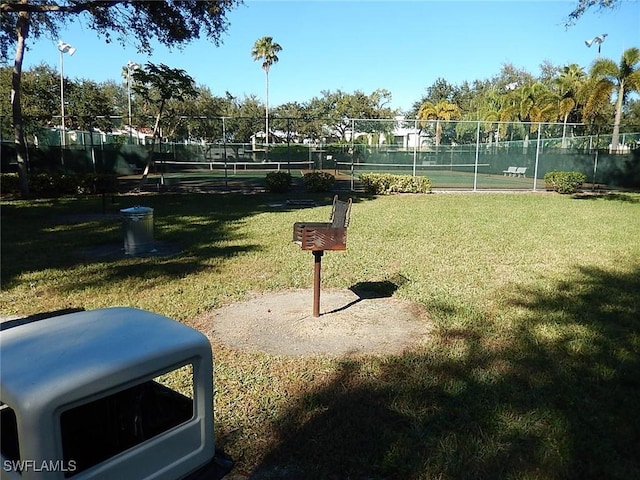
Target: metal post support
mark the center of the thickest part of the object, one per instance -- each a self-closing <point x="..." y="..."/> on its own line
<point x="415" y="145"/>
<point x="317" y="264"/>
<point x="475" y="170"/>
<point x="535" y="172"/>
<point x="224" y="154"/>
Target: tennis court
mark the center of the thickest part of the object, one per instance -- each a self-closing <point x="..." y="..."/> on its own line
<point x="453" y="176"/>
<point x="251" y="175"/>
<point x="218" y="175"/>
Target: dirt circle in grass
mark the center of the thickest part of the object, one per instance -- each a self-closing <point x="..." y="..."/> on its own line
<point x="283" y="324"/>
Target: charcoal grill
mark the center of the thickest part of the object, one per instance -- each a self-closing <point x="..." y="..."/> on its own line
<point x="320" y="236"/>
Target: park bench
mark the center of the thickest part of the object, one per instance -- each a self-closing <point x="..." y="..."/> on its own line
<point x="515" y="172"/>
<point x="521" y="171"/>
<point x="321" y="236"/>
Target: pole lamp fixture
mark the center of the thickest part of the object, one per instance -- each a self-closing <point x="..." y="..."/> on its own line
<point x="131" y="67"/>
<point x="63" y="48"/>
<point x="599" y="39"/>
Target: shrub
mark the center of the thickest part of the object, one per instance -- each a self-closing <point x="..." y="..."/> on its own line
<point x="385" y="183"/>
<point x="57" y="184"/>
<point x="9" y="183"/>
<point x="318" y="181"/>
<point x="564" y="182"/>
<point x="278" y="182"/>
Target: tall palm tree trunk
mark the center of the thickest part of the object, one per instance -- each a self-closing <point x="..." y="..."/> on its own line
<point x="266" y="152"/>
<point x="617" y="118"/>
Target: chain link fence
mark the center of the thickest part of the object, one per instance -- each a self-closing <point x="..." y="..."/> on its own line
<point x="470" y="155"/>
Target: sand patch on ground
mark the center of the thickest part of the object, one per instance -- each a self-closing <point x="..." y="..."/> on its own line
<point x="282" y="324"/>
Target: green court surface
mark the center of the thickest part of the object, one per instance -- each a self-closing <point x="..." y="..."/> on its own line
<point x="253" y="176"/>
<point x="452" y="179"/>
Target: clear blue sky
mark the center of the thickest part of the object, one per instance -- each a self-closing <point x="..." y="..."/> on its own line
<point x="402" y="46"/>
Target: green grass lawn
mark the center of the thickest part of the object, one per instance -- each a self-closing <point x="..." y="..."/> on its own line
<point x="533" y="369"/>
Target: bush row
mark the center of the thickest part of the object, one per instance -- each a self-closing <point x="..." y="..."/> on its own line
<point x="280" y="182"/>
<point x="385" y="183"/>
<point x="564" y="182"/>
<point x="58" y="184"/>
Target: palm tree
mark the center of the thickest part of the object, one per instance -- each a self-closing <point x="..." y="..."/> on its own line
<point x="609" y="77"/>
<point x="569" y="84"/>
<point x="488" y="110"/>
<point x="530" y="105"/>
<point x="267" y="50"/>
<point x="443" y="110"/>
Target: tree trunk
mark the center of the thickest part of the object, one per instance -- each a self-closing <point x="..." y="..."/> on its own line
<point x="266" y="151"/>
<point x="564" y="130"/>
<point x="22" y="30"/>
<point x="618" y="117"/>
<point x="156" y="129"/>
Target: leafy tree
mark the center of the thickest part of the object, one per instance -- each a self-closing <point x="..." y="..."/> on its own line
<point x="548" y="73"/>
<point x="245" y="119"/>
<point x="337" y="109"/>
<point x="439" y="90"/>
<point x="267" y="50"/>
<point x="41" y="95"/>
<point x="632" y="116"/>
<point x="203" y="114"/>
<point x="296" y="118"/>
<point x="159" y="84"/>
<point x="584" y="5"/>
<point x="609" y="78"/>
<point x="171" y="23"/>
<point x="90" y="106"/>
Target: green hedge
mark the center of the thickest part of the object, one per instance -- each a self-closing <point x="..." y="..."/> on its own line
<point x="385" y="183"/>
<point x="318" y="181"/>
<point x="57" y="184"/>
<point x="564" y="182"/>
<point x="278" y="182"/>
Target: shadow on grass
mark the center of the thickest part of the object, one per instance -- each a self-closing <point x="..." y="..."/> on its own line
<point x="66" y="233"/>
<point x="617" y="197"/>
<point x="555" y="395"/>
<point x="62" y="234"/>
<point x="373" y="289"/>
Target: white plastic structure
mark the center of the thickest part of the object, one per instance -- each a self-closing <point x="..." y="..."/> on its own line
<point x="94" y="395"/>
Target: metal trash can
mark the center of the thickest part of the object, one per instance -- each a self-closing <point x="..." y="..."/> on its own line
<point x="137" y="227"/>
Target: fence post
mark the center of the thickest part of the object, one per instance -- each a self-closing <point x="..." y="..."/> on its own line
<point x="475" y="172"/>
<point x="288" y="145"/>
<point x="595" y="169"/>
<point x="535" y="169"/>
<point x="415" y="145"/>
<point x="224" y="152"/>
<point x="353" y="151"/>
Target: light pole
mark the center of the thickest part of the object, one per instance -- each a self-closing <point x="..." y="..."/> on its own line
<point x="599" y="39"/>
<point x="131" y="67"/>
<point x="63" y="48"/>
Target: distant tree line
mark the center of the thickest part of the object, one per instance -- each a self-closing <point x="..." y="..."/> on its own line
<point x="567" y="94"/>
<point x="551" y="96"/>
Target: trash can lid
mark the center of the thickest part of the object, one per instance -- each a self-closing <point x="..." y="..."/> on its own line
<point x="136" y="210"/>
